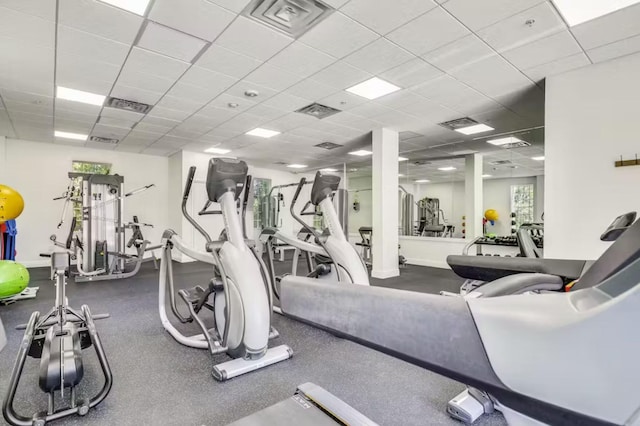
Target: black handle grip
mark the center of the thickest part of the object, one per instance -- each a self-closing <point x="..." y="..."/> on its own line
<point x="203" y="213"/>
<point x="187" y="186"/>
<point x="303" y="181"/>
<point x="247" y="189"/>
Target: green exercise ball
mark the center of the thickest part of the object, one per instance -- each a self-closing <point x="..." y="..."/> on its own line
<point x="14" y="278"/>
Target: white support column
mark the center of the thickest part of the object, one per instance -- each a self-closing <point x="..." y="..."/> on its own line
<point x="473" y="195"/>
<point x="385" y="204"/>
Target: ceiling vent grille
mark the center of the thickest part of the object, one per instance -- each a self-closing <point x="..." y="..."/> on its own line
<point x="126" y="105"/>
<point x="459" y="123"/>
<point x="421" y="162"/>
<point x="328" y="145"/>
<point x="292" y="17"/>
<point x="500" y="162"/>
<point x="100" y="139"/>
<point x="511" y="145"/>
<point x="280" y="163"/>
<point x="318" y="111"/>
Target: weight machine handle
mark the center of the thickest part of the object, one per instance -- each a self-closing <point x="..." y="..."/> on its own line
<point x="303" y="181"/>
<point x="187" y="186"/>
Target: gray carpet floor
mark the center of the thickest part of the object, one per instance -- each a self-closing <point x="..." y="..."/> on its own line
<point x="159" y="382"/>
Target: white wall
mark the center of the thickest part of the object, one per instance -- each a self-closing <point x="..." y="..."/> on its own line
<point x="39" y="172"/>
<point x="591" y="120"/>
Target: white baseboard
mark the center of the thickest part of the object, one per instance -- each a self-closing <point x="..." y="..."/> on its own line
<point x="431" y="263"/>
<point x="384" y="274"/>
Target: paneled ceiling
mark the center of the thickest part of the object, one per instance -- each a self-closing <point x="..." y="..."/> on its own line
<point x="192" y="59"/>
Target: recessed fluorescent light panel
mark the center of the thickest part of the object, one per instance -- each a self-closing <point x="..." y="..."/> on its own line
<point x="577" y="12"/>
<point x="373" y="88"/>
<point x="139" y="7"/>
<point x="486" y="176"/>
<point x="402" y="159"/>
<point x="297" y="166"/>
<point x="400" y="175"/>
<point x="503" y="141"/>
<point x="472" y="130"/>
<point x="217" y="151"/>
<point x="69" y="135"/>
<point x="540" y="158"/>
<point x="263" y="133"/>
<point x="422" y="181"/>
<point x="329" y="170"/>
<point x="79" y="96"/>
<point x="446" y="169"/>
<point x="361" y="153"/>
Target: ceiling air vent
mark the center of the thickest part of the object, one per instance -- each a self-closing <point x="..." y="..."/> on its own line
<point x="318" y="111"/>
<point x="421" y="162"/>
<point x="292" y="17"/>
<point x="280" y="163"/>
<point x="519" y="144"/>
<point x="328" y="145"/>
<point x="459" y="123"/>
<point x="500" y="162"/>
<point x="100" y="139"/>
<point x="128" y="105"/>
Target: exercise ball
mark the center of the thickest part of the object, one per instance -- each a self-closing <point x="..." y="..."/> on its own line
<point x="14" y="278"/>
<point x="11" y="203"/>
<point x="491" y="215"/>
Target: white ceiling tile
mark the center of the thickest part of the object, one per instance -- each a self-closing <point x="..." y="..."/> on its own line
<point x="383" y="16"/>
<point x="196" y="93"/>
<point x="169" y="42"/>
<point x="343" y="100"/>
<point x="301" y="59"/>
<point x="40" y="120"/>
<point x="73" y="126"/>
<point x="171" y="114"/>
<point x="482" y="77"/>
<point x="199" y="18"/>
<point x="116" y="122"/>
<point x="370" y="110"/>
<point x="242" y="123"/>
<point x="90" y="46"/>
<point x="336" y="4"/>
<point x="252" y="39"/>
<point x="616" y="49"/>
<point x="135" y="94"/>
<point x="79" y="73"/>
<point x="291" y="121"/>
<point x="30" y="108"/>
<point x="341" y="75"/>
<point x="273" y="77"/>
<point x="26" y="67"/>
<point x="123" y="147"/>
<point x="238" y="90"/>
<point x="267" y="112"/>
<point x="121" y="114"/>
<point x="144" y="81"/>
<point x="428" y="32"/>
<point x="64" y="114"/>
<point x="338" y="35"/>
<point x="79" y="107"/>
<point x="144" y="61"/>
<point x="449" y="92"/>
<point x="399" y="99"/>
<point x="9" y="96"/>
<point x="140" y="136"/>
<point x="411" y="73"/>
<point x="153" y="129"/>
<point x="480" y="14"/>
<point x="379" y="56"/>
<point x="539" y="72"/>
<point x="311" y="89"/>
<point x="225" y="61"/>
<point x="609" y="28"/>
<point x="221" y="133"/>
<point x="45" y="9"/>
<point x="545" y="50"/>
<point x="25" y="28"/>
<point x="233" y="5"/>
<point x="109" y="131"/>
<point x="211" y="81"/>
<point x="101" y="19"/>
<point x="429" y="111"/>
<point x="161" y="152"/>
<point x="158" y="122"/>
<point x="460" y="53"/>
<point x="223" y="101"/>
<point x="514" y="31"/>
<point x="180" y="104"/>
<point x="286" y="102"/>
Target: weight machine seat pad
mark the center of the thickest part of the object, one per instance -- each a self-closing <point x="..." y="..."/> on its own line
<point x="520" y="283"/>
<point x="431" y="331"/>
<point x="485" y="268"/>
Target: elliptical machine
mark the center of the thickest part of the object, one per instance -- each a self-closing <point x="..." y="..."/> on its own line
<point x="239" y="295"/>
<point x="334" y="257"/>
<point x="58" y="340"/>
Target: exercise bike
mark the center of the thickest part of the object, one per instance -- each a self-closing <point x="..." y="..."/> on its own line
<point x="239" y="295"/>
<point x="58" y="340"/>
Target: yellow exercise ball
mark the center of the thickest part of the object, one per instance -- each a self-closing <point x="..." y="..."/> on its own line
<point x="11" y="203"/>
<point x="491" y="214"/>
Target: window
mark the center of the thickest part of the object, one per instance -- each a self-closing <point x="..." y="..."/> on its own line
<point x="261" y="189"/>
<point x="522" y="203"/>
<point x="84" y="167"/>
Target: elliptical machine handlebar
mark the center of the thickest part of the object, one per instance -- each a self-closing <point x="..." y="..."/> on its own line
<point x="185" y="197"/>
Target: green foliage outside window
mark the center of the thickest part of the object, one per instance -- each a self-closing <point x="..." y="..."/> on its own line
<point x="522" y="203"/>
